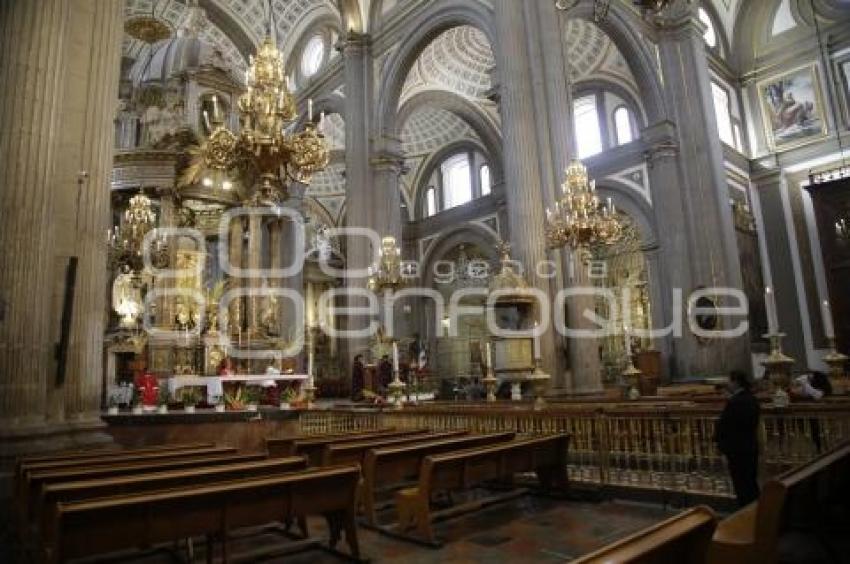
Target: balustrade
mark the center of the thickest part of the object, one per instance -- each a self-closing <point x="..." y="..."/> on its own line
<point x="666" y="447"/>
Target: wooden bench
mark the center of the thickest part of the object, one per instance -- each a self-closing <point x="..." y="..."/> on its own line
<point x="34" y="480"/>
<point x="66" y="492"/>
<point x="465" y="469"/>
<point x="798" y="499"/>
<point x="355" y="452"/>
<point x="313" y="448"/>
<point x="285" y="446"/>
<point x="112" y="458"/>
<point x="682" y="539"/>
<point x="147" y="519"/>
<point x="387" y="466"/>
<point x="108" y="451"/>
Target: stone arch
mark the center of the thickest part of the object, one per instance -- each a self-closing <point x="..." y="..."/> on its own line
<point x="723" y="44"/>
<point x="626" y="29"/>
<point x="433" y="161"/>
<point x="439" y="16"/>
<point x="466" y="110"/>
<point x="467" y="233"/>
<point x="596" y="84"/>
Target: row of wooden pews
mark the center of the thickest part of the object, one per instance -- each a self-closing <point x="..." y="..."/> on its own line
<point x="73" y="505"/>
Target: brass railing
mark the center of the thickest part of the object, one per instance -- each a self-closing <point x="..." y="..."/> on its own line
<point x="667" y="448"/>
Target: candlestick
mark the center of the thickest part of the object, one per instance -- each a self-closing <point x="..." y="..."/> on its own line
<point x="395" y="356"/>
<point x="628" y="342"/>
<point x="770" y="306"/>
<point x="828" y="328"/>
<point x="310" y="109"/>
<point x="489" y="351"/>
<point x="535" y="343"/>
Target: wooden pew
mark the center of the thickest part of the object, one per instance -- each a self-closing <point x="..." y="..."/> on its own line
<point x="120" y="456"/>
<point x="799" y="499"/>
<point x="465" y="469"/>
<point x="35" y="480"/>
<point x="682" y="539"/>
<point x="314" y="448"/>
<point x="66" y="492"/>
<point x="355" y="452"/>
<point x="285" y="446"/>
<point x="387" y="466"/>
<point x="146" y="519"/>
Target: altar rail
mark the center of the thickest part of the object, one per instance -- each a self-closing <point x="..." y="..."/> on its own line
<point x="663" y="448"/>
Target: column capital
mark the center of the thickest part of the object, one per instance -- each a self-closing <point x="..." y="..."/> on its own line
<point x="388" y="161"/>
<point x="681" y="16"/>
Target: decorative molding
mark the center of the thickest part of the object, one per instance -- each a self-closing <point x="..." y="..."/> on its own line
<point x="636" y="178"/>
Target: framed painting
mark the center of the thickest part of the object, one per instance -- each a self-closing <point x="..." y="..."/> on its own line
<point x="792" y="108"/>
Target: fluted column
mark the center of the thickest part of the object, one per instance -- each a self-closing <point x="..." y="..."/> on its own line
<point x="255" y="245"/>
<point x="32" y="59"/>
<point x="522" y="151"/>
<point x="712" y="259"/>
<point x="292" y="324"/>
<point x="81" y="182"/>
<point x="360" y="195"/>
<point x="275" y="229"/>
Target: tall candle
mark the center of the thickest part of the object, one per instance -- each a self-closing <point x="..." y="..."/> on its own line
<point x="536" y="343"/>
<point x="310" y="109"/>
<point x="828" y="328"/>
<point x="395" y="356"/>
<point x="489" y="350"/>
<point x="770" y="305"/>
<point x="310" y="367"/>
<point x="628" y="342"/>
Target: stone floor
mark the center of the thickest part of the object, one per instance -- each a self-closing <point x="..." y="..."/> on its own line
<point x="527" y="529"/>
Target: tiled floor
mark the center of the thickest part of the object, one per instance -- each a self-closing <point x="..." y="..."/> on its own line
<point x="527" y="529"/>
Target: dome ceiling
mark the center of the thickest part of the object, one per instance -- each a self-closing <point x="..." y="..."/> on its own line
<point x="248" y="16"/>
<point x="458" y="60"/>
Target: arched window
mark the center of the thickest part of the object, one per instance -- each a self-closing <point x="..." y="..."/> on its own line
<point x="710" y="35"/>
<point x="457" y="180"/>
<point x="586" y="123"/>
<point x="430" y="202"/>
<point x="484" y="174"/>
<point x="623" y="126"/>
<point x="314" y="54"/>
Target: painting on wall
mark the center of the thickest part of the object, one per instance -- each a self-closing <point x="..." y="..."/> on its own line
<point x="793" y="109"/>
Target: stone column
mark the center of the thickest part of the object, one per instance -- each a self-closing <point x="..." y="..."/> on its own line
<point x="293" y="325"/>
<point x="33" y="58"/>
<point x="360" y="194"/>
<point x="713" y="258"/>
<point x="89" y="99"/>
<point x="275" y="229"/>
<point x="522" y="153"/>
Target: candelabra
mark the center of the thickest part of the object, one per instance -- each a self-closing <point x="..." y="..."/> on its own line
<point x="578" y="219"/>
<point x="263" y="150"/>
<point x="777" y="366"/>
<point x="835" y="360"/>
<point x="126" y="244"/>
<point x="490" y="381"/>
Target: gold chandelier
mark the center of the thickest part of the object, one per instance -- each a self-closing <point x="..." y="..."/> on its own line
<point x="126" y="244"/>
<point x="387" y="273"/>
<point x="578" y="219"/>
<point x="263" y="152"/>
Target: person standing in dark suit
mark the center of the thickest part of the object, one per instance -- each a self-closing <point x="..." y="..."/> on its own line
<point x="736" y="435"/>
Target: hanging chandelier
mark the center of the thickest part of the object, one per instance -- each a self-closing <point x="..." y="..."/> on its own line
<point x="387" y="273"/>
<point x="578" y="219"/>
<point x="126" y="242"/>
<point x="263" y="154"/>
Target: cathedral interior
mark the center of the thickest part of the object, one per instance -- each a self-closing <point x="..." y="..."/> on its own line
<point x="447" y="280"/>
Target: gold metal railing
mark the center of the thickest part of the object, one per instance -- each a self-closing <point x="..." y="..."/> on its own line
<point x="656" y="447"/>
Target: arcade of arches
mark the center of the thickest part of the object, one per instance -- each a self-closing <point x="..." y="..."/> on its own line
<point x="272" y="217"/>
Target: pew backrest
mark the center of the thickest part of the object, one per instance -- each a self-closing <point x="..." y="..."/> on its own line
<point x="354" y="452"/>
<point x="285" y="446"/>
<point x="464" y="469"/>
<point x="682" y="539"/>
<point x="149" y="518"/>
<point x="313" y="449"/>
<point x="67" y="492"/>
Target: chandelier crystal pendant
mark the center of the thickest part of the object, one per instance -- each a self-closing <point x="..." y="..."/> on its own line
<point x="263" y="147"/>
<point x="579" y="219"/>
<point x="387" y="273"/>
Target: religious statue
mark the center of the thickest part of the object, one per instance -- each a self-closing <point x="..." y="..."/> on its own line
<point x="270" y="318"/>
